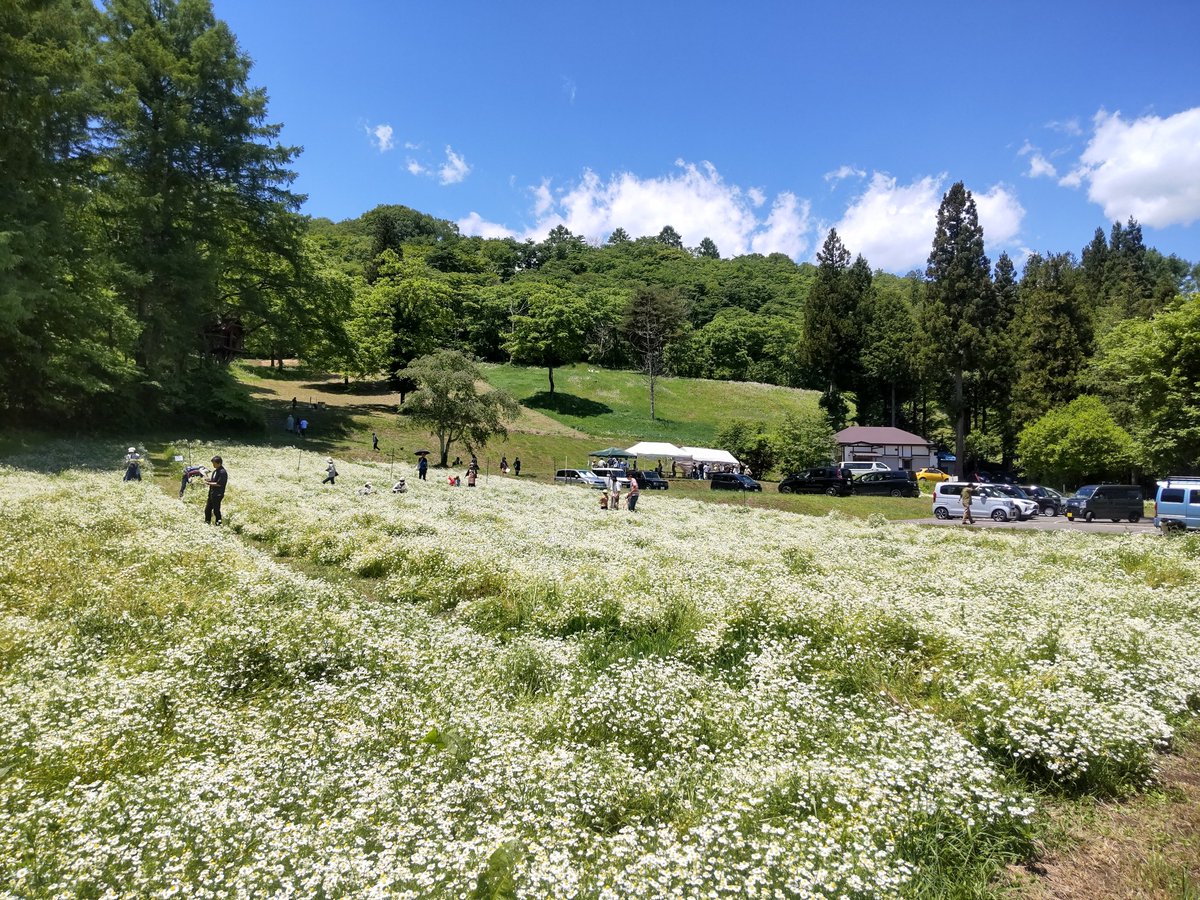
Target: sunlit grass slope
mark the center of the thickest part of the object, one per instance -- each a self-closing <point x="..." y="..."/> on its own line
<point x="617" y="403"/>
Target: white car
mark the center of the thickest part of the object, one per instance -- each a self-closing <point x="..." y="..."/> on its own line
<point x="579" y="476"/>
<point x="987" y="502"/>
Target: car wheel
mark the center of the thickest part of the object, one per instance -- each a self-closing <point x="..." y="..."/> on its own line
<point x="897" y="493"/>
<point x="1054" y="510"/>
<point x="785" y="489"/>
<point x="941" y="513"/>
<point x="1135" y="518"/>
<point x="1087" y="517"/>
<point x="831" y="491"/>
<point x="999" y="515"/>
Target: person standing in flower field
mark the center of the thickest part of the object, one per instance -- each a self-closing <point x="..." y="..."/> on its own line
<point x="133" y="465"/>
<point x="422" y="468"/>
<point x="631" y="498"/>
<point x="517" y="466"/>
<point x="216" y="481"/>
<point x="968" y="495"/>
<point x="330" y="472"/>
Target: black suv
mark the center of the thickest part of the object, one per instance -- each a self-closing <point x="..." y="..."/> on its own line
<point x="1049" y="501"/>
<point x="649" y="480"/>
<point x="836" y="482"/>
<point x="895" y="483"/>
<point x="732" y="481"/>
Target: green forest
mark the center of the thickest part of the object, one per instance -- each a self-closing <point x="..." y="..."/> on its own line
<point x="149" y="236"/>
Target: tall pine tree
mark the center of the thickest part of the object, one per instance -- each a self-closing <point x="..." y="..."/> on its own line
<point x="957" y="301"/>
<point x="831" y="332"/>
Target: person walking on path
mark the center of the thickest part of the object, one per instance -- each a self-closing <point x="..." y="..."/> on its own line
<point x="303" y="427"/>
<point x="631" y="498"/>
<point x="517" y="466"/>
<point x="133" y="465"/>
<point x="291" y="423"/>
<point x="968" y="495"/>
<point x="330" y="472"/>
<point x="374" y="442"/>
<point x="422" y="468"/>
<point x="216" y="481"/>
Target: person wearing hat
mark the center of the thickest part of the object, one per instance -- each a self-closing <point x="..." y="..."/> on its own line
<point x="216" y="481"/>
<point x="133" y="465"/>
<point x="330" y="472"/>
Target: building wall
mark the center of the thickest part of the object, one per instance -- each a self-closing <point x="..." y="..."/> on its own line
<point x="894" y="456"/>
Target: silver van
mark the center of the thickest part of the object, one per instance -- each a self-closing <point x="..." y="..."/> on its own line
<point x="987" y="502"/>
<point x="1177" y="504"/>
<point x="862" y="468"/>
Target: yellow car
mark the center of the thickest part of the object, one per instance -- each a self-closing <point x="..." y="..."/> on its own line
<point x="931" y="476"/>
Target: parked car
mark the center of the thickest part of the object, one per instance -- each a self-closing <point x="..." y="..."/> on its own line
<point x="861" y="468"/>
<point x="831" y="480"/>
<point x="987" y="502"/>
<point x="1106" y="501"/>
<point x="932" y="476"/>
<point x="1177" y="504"/>
<point x="894" y="483"/>
<point x="1028" y="506"/>
<point x="1049" y="501"/>
<point x="622" y="475"/>
<point x="579" y="476"/>
<point x="649" y="480"/>
<point x="732" y="481"/>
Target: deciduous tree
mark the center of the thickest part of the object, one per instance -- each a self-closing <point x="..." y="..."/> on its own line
<point x="450" y="405"/>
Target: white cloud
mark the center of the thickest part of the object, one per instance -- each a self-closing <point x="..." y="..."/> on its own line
<point x="786" y="229"/>
<point x="1000" y="215"/>
<point x="1148" y="168"/>
<point x="475" y="224"/>
<point x="569" y="88"/>
<point x="843" y="172"/>
<point x="694" y="200"/>
<point x="415" y="167"/>
<point x="543" y="200"/>
<point x="454" y="169"/>
<point x="892" y="225"/>
<point x="381" y="136"/>
<point x="1069" y="127"/>
<point x="1039" y="166"/>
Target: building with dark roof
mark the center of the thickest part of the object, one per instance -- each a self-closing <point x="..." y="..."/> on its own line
<point x="895" y="447"/>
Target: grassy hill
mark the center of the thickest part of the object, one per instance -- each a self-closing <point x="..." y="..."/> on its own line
<point x="591" y="408"/>
<point x="617" y="403"/>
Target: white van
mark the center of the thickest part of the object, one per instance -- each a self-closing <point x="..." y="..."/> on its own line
<point x="862" y="468"/>
<point x="987" y="503"/>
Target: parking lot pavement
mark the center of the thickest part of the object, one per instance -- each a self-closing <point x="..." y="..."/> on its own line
<point x="1053" y="523"/>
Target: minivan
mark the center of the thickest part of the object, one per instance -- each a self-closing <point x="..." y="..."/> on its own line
<point x="1177" y="504"/>
<point x="987" y="502"/>
<point x="1106" y="501"/>
<point x="836" y="482"/>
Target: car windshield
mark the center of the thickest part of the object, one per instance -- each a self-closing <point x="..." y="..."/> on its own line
<point x="1086" y="491"/>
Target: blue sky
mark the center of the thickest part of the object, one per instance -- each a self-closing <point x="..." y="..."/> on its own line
<point x="760" y="125"/>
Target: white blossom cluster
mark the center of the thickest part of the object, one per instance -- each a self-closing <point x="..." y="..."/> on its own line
<point x="457" y="692"/>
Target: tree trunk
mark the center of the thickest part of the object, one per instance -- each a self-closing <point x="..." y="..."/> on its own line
<point x="550" y="369"/>
<point x="960" y="425"/>
<point x="650" y="367"/>
<point x="893" y="404"/>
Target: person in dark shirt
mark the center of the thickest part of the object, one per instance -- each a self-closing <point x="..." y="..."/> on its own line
<point x="216" y="481"/>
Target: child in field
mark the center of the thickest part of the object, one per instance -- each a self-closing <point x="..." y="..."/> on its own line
<point x="604" y="499"/>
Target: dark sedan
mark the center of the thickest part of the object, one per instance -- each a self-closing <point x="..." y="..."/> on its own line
<point x="831" y="480"/>
<point x="894" y="484"/>
<point x="732" y="481"/>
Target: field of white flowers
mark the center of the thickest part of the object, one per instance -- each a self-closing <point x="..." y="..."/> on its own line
<point x="507" y="691"/>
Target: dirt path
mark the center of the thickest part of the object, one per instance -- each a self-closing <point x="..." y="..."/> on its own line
<point x="1147" y="847"/>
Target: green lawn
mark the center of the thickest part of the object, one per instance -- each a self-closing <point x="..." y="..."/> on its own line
<point x="617" y="403"/>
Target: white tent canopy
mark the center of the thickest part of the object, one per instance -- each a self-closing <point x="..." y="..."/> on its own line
<point x="659" y="449"/>
<point x="709" y="455"/>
